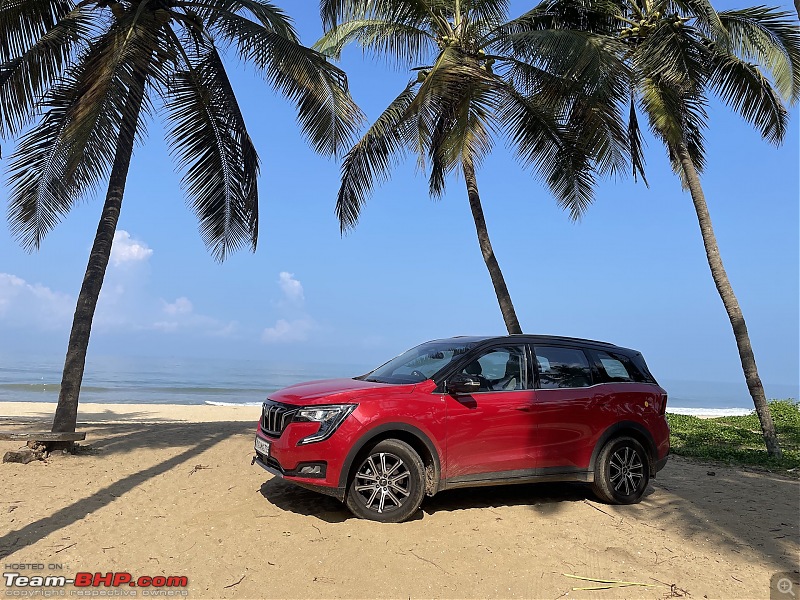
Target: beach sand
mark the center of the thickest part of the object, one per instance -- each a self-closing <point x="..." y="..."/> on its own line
<point x="169" y="490"/>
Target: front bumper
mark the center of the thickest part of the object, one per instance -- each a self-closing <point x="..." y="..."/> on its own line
<point x="273" y="466"/>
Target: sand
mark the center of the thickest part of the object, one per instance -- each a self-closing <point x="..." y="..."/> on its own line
<point x="169" y="490"/>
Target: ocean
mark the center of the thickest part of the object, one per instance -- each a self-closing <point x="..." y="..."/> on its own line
<point x="148" y="380"/>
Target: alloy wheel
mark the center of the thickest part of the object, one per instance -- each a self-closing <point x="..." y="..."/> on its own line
<point x="382" y="481"/>
<point x="627" y="470"/>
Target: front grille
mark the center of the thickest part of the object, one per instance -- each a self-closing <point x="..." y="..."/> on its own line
<point x="275" y="417"/>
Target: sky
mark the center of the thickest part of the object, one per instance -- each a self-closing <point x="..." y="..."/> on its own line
<point x="632" y="271"/>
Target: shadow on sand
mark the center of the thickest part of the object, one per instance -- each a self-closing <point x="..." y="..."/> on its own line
<point x="685" y="500"/>
<point x="120" y="438"/>
<point x="544" y="498"/>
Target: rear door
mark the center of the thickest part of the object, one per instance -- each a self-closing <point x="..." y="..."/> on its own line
<point x="565" y="408"/>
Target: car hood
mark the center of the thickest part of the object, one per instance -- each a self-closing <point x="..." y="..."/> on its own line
<point x="331" y="391"/>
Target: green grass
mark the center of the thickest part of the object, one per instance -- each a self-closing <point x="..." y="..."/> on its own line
<point x="738" y="440"/>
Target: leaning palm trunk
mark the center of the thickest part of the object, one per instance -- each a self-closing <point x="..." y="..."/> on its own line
<point x="729" y="300"/>
<point x="66" y="416"/>
<point x="498" y="281"/>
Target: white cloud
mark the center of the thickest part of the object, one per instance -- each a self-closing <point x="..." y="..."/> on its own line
<point x="127" y="250"/>
<point x="23" y="303"/>
<point x="181" y="306"/>
<point x="292" y="289"/>
<point x="288" y="331"/>
<point x="296" y="324"/>
<point x="182" y="318"/>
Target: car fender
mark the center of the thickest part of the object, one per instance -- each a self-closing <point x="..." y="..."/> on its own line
<point x="619" y="428"/>
<point x="378" y="431"/>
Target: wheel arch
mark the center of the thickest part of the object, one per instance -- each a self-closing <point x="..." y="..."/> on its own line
<point x="404" y="432"/>
<point x="631" y="429"/>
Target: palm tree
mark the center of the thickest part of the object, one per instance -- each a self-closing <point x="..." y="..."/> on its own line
<point x="553" y="94"/>
<point x="78" y="80"/>
<point x="679" y="52"/>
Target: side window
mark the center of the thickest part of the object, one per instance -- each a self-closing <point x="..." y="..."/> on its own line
<point x="500" y="369"/>
<point x="617" y="368"/>
<point x="562" y="367"/>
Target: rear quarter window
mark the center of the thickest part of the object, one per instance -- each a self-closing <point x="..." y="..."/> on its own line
<point x="617" y="368"/>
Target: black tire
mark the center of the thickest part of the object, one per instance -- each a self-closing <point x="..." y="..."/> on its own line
<point x="387" y="483"/>
<point x="622" y="472"/>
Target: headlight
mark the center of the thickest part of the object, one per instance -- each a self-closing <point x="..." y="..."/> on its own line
<point x="329" y="418"/>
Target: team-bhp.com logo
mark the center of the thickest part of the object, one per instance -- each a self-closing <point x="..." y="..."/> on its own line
<point x="94" y="584"/>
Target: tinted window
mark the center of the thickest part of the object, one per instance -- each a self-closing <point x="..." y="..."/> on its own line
<point x="499" y="369"/>
<point x="562" y="367"/>
<point x="617" y="367"/>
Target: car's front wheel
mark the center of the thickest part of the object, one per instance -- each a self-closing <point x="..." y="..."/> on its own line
<point x="622" y="472"/>
<point x="388" y="483"/>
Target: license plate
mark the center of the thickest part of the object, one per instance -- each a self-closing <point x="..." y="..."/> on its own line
<point x="262" y="446"/>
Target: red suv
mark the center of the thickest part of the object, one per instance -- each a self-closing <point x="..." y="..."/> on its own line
<point x="470" y="411"/>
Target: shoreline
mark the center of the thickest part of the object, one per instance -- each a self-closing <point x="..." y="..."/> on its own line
<point x="89" y="412"/>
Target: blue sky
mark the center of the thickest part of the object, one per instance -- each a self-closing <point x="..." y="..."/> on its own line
<point x="632" y="271"/>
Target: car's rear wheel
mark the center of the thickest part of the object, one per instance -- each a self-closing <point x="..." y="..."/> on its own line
<point x="622" y="472"/>
<point x="388" y="483"/>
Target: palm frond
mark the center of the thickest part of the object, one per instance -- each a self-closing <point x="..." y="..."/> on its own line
<point x="270" y="16"/>
<point x="25" y="77"/>
<point x="407" y="12"/>
<point x="371" y="159"/>
<point x="492" y="12"/>
<point x="671" y="54"/>
<point x="595" y="16"/>
<point x="677" y="118"/>
<point x="326" y="112"/>
<point x="405" y="44"/>
<point x="541" y="144"/>
<point x="71" y="149"/>
<point x="461" y="107"/>
<point x="706" y="18"/>
<point x="573" y="56"/>
<point x="23" y="22"/>
<point x="747" y="91"/>
<point x="210" y="142"/>
<point x="771" y="39"/>
<point x="636" y="142"/>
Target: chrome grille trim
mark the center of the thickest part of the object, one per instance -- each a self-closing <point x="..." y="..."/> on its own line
<point x="275" y="417"/>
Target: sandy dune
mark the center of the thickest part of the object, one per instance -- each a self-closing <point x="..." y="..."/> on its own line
<point x="169" y="490"/>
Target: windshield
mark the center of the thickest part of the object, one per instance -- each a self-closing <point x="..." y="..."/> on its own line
<point x="420" y="363"/>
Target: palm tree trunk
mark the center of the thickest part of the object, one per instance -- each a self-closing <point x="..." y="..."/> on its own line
<point x="66" y="416"/>
<point x="499" y="283"/>
<point x="729" y="300"/>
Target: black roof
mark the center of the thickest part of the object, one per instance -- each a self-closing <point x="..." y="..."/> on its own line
<point x="532" y="339"/>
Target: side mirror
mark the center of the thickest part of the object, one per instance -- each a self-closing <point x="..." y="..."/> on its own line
<point x="463" y="384"/>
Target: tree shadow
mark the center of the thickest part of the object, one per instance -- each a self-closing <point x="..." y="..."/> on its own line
<point x="733" y="508"/>
<point x="197" y="437"/>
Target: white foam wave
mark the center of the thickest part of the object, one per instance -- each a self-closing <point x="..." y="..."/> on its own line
<point x="214" y="403"/>
<point x="709" y="412"/>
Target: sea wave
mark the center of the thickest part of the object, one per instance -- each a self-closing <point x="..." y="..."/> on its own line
<point x="709" y="412"/>
<point x="215" y="403"/>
